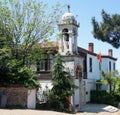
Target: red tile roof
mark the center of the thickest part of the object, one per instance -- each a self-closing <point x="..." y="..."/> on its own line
<point x="53" y="45"/>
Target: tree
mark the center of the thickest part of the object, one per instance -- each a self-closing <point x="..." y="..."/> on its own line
<point x="108" y="30"/>
<point x="23" y="24"/>
<point x="110" y="78"/>
<point x="63" y="86"/>
<point x="26" y="23"/>
<point x="117" y="89"/>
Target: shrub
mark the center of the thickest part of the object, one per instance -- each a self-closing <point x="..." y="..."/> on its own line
<point x="102" y="96"/>
<point x="17" y="74"/>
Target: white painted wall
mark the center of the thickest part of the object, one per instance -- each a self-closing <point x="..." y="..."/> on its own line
<point x="31" y="99"/>
<point x="45" y="83"/>
<point x="77" y="94"/>
<point x="90" y="85"/>
<point x="95" y="74"/>
<point x="79" y="62"/>
<point x="92" y="76"/>
<point x="105" y="64"/>
<point x="45" y="86"/>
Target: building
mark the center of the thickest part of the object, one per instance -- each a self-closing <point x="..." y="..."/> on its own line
<point x="82" y="64"/>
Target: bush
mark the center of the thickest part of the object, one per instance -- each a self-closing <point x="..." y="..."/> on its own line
<point x="58" y="103"/>
<point x="18" y="74"/>
<point x="102" y="97"/>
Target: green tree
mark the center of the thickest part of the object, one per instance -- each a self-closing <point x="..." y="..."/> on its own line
<point x="63" y="86"/>
<point x="110" y="78"/>
<point x="117" y="89"/>
<point x="23" y="25"/>
<point x="108" y="30"/>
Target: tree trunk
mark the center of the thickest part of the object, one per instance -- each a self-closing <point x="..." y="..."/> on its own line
<point x="110" y="86"/>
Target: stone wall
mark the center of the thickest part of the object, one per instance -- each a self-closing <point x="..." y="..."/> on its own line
<point x="16" y="96"/>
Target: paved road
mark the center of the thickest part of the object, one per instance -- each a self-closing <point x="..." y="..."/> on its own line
<point x="99" y="108"/>
<point x="89" y="109"/>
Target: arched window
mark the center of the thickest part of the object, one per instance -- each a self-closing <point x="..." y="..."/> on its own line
<point x="78" y="72"/>
<point x="65" y="34"/>
<point x="66" y="37"/>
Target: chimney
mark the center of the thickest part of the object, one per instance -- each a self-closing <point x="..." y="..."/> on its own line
<point x="110" y="52"/>
<point x="91" y="47"/>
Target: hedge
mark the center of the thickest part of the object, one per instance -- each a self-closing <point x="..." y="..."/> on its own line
<point x="102" y="96"/>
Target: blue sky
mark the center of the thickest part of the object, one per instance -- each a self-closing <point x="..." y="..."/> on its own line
<point x="84" y="10"/>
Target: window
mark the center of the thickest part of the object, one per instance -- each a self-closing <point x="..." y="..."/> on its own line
<point x="41" y="65"/>
<point x="109" y="65"/>
<point x="66" y="37"/>
<point x="78" y="72"/>
<point x="114" y="66"/>
<point x="90" y="64"/>
<point x="49" y="63"/>
<point x="44" y="65"/>
<point x="99" y="66"/>
<point x="85" y="68"/>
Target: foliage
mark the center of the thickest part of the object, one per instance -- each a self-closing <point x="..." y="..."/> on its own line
<point x="117" y="88"/>
<point x="17" y="74"/>
<point x="98" y="84"/>
<point x="113" y="95"/>
<point x="102" y="96"/>
<point x="108" y="30"/>
<point x="22" y="26"/>
<point x="110" y="79"/>
<point x="63" y="86"/>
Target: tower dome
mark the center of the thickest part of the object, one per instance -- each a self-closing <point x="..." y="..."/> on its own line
<point x="68" y="17"/>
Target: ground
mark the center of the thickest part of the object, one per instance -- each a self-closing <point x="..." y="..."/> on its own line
<point x="89" y="109"/>
<point x="39" y="112"/>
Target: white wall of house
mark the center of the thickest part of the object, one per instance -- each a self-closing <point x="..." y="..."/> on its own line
<point x="91" y="76"/>
<point x="90" y="85"/>
<point x="31" y="99"/>
<point x="46" y="83"/>
<point x="95" y="74"/>
<point x="79" y="62"/>
<point x="106" y="68"/>
<point x="105" y="64"/>
<point x="45" y="86"/>
<point x="77" y="95"/>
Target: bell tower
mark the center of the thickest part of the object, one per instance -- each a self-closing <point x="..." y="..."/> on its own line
<point x="68" y="30"/>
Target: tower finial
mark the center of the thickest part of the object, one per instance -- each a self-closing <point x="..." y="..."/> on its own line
<point x="69" y="8"/>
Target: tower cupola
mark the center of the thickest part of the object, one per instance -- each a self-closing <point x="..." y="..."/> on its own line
<point x="68" y="28"/>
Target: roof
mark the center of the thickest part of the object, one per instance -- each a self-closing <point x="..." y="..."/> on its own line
<point x="86" y="51"/>
<point x="95" y="54"/>
<point x="53" y="45"/>
<point x="107" y="56"/>
<point x="68" y="16"/>
<point x="49" y="45"/>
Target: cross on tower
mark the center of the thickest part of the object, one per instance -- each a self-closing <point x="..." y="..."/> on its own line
<point x="69" y="8"/>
